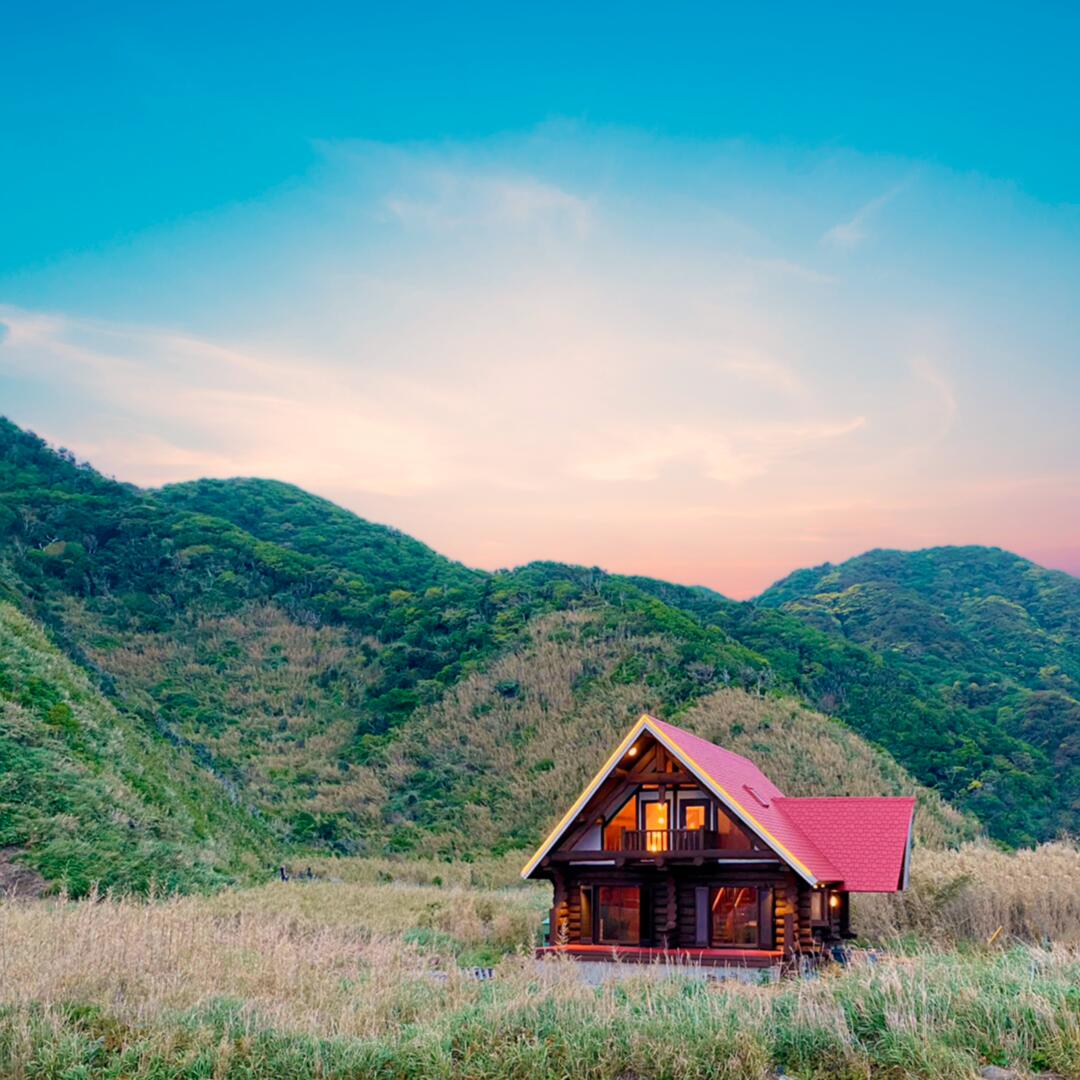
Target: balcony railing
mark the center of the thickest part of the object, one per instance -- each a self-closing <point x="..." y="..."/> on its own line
<point x="657" y="840"/>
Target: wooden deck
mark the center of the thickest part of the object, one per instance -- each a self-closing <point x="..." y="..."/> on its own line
<point x="628" y="954"/>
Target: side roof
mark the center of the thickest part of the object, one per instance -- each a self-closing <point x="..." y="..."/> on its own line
<point x="798" y="837"/>
<point x="868" y="840"/>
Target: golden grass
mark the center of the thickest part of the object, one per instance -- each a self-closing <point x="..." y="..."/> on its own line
<point x="321" y="979"/>
<point x="969" y="893"/>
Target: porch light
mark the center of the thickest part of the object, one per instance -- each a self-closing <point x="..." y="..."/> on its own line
<point x="632" y="752"/>
<point x="834" y="901"/>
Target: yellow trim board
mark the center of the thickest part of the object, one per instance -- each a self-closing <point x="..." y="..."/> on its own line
<point x="645" y="722"/>
<point x="587" y="794"/>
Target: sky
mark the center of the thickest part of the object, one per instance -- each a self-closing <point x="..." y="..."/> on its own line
<point x="695" y="291"/>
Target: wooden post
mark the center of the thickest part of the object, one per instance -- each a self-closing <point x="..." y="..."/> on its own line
<point x="558" y="906"/>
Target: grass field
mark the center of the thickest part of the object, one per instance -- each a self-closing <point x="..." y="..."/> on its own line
<point x="368" y="977"/>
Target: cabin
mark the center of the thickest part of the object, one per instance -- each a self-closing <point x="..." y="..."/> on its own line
<point x="681" y="851"/>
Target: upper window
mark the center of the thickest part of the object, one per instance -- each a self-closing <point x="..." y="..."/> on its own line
<point x="732" y="836"/>
<point x="657" y="823"/>
<point x="625" y="819"/>
<point x="694" y="815"/>
<point x="735" y="916"/>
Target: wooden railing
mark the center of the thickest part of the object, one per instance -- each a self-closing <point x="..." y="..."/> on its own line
<point x="670" y="840"/>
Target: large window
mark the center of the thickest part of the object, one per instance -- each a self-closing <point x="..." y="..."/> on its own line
<point x="732" y="836"/>
<point x="735" y="916"/>
<point x="618" y="914"/>
<point x="625" y="819"/>
<point x="657" y="824"/>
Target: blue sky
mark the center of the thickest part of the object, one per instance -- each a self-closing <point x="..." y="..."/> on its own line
<point x="697" y="291"/>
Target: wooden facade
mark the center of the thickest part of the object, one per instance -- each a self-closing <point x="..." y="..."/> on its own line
<point x="654" y="863"/>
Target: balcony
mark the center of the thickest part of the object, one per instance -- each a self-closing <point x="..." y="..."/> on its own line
<point x="654" y="841"/>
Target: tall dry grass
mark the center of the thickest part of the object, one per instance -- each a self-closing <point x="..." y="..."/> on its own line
<point x="968" y="894"/>
<point x="321" y="980"/>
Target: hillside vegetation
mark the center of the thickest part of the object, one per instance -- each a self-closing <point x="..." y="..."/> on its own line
<point x="502" y="755"/>
<point x="340" y="687"/>
<point x="991" y="640"/>
<point x="87" y="796"/>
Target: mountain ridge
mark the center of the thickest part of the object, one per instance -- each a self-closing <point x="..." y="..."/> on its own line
<point x="302" y="655"/>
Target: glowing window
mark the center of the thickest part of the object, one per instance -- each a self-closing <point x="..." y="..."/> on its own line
<point x="625" y="819"/>
<point x="656" y="826"/>
<point x="693" y="817"/>
<point x="732" y="837"/>
<point x="735" y="916"/>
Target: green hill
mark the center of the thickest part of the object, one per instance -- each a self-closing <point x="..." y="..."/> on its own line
<point x="341" y="686"/>
<point x="88" y="795"/>
<point x="990" y="641"/>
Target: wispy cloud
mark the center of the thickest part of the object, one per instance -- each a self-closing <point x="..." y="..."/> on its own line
<point x="850" y="234"/>
<point x="730" y="457"/>
<point x="459" y="199"/>
<point x="519" y="350"/>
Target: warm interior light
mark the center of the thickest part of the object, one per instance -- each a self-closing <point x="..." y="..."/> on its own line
<point x="834" y="901"/>
<point x="633" y="751"/>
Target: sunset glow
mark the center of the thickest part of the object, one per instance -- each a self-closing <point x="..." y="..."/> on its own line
<point x="696" y="357"/>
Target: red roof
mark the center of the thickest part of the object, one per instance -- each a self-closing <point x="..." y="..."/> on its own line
<point x="752" y="793"/>
<point x="866" y="839"/>
<point x="861" y="843"/>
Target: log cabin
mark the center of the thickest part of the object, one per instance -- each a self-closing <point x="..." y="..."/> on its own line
<point x="681" y="851"/>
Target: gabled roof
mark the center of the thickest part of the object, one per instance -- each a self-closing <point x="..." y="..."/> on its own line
<point x="866" y="839"/>
<point x="798" y="837"/>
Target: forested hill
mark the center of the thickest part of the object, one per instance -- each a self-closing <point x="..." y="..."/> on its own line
<point x="286" y="515"/>
<point x="988" y="633"/>
<point x="339" y="685"/>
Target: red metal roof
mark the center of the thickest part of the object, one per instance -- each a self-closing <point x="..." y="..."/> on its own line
<point x="866" y="839"/>
<point x="754" y="797"/>
<point x="859" y="843"/>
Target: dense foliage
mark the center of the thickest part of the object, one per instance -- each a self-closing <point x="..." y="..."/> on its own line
<point x="310" y="666"/>
<point x="92" y="798"/>
<point x="990" y="643"/>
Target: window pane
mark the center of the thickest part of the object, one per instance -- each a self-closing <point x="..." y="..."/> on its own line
<point x="618" y="913"/>
<point x="693" y="817"/>
<point x="656" y="825"/>
<point x="625" y="819"/>
<point x="735" y="916"/>
<point x="732" y="836"/>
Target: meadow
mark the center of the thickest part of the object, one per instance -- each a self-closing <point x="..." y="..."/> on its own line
<point x="366" y="971"/>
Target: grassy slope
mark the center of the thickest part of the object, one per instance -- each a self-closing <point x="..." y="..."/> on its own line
<point x="987" y="637"/>
<point x="506" y="750"/>
<point x="94" y="797"/>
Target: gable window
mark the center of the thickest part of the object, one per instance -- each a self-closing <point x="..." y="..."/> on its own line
<point x="735" y="915"/>
<point x="732" y="836"/>
<point x="657" y="821"/>
<point x="624" y="820"/>
<point x="695" y="815"/>
<point x="618" y="914"/>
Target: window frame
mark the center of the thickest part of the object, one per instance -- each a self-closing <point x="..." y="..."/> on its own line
<point x="760" y="893"/>
<point x="644" y="913"/>
<point x="685" y="803"/>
